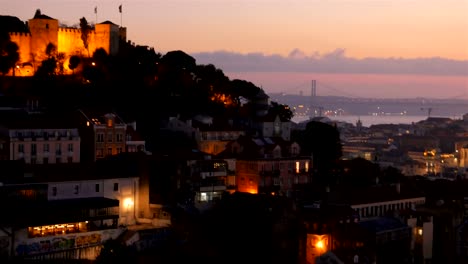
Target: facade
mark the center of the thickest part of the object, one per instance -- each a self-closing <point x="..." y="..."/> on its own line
<point x="274" y="126"/>
<point x="273" y="176"/>
<point x="210" y="177"/>
<point x="69" y="210"/>
<point x="44" y="30"/>
<point x="104" y="134"/>
<point x="39" y="139"/>
<point x="212" y="135"/>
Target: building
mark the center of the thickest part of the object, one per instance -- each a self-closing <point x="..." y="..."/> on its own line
<point x="65" y="211"/>
<point x="104" y="134"/>
<point x="43" y="30"/>
<point x="39" y="139"/>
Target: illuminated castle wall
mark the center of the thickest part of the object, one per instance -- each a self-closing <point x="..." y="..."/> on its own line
<point x="44" y="30"/>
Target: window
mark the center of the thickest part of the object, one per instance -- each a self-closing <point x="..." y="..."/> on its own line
<point x="306" y="166"/>
<point x="298" y="166"/>
<point x="109" y="137"/>
<point x="99" y="152"/>
<point x="46" y="147"/>
<point x="20" y="148"/>
<point x="109" y="151"/>
<point x="54" y="191"/>
<point x="70" y="147"/>
<point x="76" y="189"/>
<point x="45" y="161"/>
<point x="116" y="186"/>
<point x="119" y="137"/>
<point x="33" y="149"/>
<point x="119" y="150"/>
<point x="58" y="160"/>
<point x="96" y="187"/>
<point x="33" y="160"/>
<point x="58" y="149"/>
<point x="100" y="137"/>
<point x="70" y="159"/>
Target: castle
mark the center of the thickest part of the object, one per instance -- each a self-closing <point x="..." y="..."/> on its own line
<point x="43" y="30"/>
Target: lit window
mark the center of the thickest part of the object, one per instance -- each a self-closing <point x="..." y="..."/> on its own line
<point x="306" y="166"/>
<point x="298" y="166"/>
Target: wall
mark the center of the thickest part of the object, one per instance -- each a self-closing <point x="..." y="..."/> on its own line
<point x="127" y="193"/>
<point x="32" y="46"/>
<point x="25" y="246"/>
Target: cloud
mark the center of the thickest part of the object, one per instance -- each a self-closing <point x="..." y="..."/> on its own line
<point x="332" y="62"/>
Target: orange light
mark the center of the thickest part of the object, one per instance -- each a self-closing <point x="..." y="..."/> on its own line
<point x="320" y="244"/>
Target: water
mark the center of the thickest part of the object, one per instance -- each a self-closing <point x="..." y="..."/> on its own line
<point x="368" y="120"/>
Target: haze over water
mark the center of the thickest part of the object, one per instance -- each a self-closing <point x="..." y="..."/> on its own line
<point x="368" y="120"/>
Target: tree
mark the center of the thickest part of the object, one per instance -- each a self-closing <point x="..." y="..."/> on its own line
<point x="283" y="111"/>
<point x="360" y="172"/>
<point x="85" y="30"/>
<point x="74" y="62"/>
<point x="49" y="65"/>
<point x="9" y="53"/>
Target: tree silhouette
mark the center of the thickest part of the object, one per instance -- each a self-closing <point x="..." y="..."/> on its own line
<point x="283" y="111"/>
<point x="85" y="30"/>
<point x="49" y="65"/>
<point x="9" y="54"/>
<point x="73" y="63"/>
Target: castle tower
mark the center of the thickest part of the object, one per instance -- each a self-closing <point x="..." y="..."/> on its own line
<point x="44" y="30"/>
<point x="107" y="37"/>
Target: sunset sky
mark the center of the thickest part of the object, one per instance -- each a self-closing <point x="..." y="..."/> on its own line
<point x="362" y="48"/>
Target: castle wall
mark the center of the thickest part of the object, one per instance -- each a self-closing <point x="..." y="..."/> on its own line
<point x="32" y="46"/>
<point x="23" y="40"/>
<point x="43" y="32"/>
<point x="70" y="42"/>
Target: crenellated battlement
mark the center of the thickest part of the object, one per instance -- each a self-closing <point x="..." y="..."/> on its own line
<point x="68" y="40"/>
<point x="19" y="34"/>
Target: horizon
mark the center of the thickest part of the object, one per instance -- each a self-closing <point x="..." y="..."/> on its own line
<point x="376" y="49"/>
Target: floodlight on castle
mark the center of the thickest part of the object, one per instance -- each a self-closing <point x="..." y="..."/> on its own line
<point x="44" y="30"/>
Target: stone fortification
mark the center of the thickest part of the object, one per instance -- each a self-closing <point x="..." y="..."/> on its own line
<point x="44" y="30"/>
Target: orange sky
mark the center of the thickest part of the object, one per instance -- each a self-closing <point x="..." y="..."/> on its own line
<point x="381" y="29"/>
<point x="365" y="28"/>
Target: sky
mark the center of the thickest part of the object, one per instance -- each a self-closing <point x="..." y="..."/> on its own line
<point x="357" y="48"/>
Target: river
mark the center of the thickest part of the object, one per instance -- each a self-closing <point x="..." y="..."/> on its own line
<point x="368" y="120"/>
